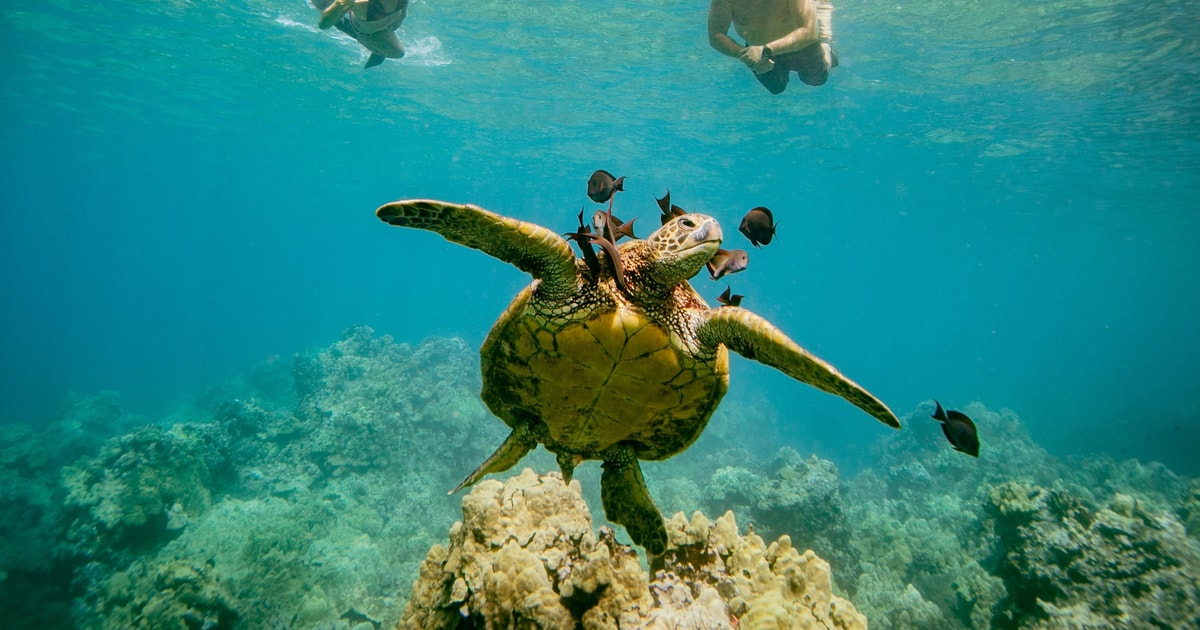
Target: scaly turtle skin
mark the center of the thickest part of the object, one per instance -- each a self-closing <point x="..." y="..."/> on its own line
<point x="591" y="371"/>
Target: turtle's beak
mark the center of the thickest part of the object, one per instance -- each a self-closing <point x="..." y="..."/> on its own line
<point x="709" y="232"/>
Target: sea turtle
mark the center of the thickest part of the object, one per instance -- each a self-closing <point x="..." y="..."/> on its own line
<point x="595" y="369"/>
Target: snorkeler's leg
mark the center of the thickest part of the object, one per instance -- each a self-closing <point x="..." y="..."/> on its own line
<point x="825" y="31"/>
<point x="825" y="20"/>
<point x="810" y="64"/>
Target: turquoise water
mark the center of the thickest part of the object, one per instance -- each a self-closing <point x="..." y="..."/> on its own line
<point x="994" y="204"/>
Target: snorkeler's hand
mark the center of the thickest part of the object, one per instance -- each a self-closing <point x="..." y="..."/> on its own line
<point x="334" y="12"/>
<point x="754" y="59"/>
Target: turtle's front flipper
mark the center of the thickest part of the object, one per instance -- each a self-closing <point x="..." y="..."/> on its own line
<point x="755" y="338"/>
<point x="627" y="501"/>
<point x="528" y="246"/>
<point x="516" y="446"/>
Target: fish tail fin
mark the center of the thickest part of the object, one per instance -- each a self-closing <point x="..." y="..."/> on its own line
<point x="619" y="184"/>
<point x="626" y="228"/>
<point x="939" y="414"/>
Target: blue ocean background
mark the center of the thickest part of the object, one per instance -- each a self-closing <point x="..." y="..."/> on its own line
<point x="992" y="205"/>
<point x="985" y="203"/>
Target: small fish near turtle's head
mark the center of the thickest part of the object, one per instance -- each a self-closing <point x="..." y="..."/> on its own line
<point x="728" y="261"/>
<point x="582" y="237"/>
<point x="730" y="299"/>
<point x="669" y="211"/>
<point x="611" y="227"/>
<point x="959" y="430"/>
<point x="759" y="226"/>
<point x="680" y="248"/>
<point x="601" y="185"/>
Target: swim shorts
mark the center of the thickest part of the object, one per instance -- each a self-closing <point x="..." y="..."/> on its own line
<point x="808" y="64"/>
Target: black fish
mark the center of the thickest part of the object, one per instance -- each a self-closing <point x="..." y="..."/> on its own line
<point x="730" y="300"/>
<point x="759" y="226"/>
<point x="583" y="235"/>
<point x="959" y="430"/>
<point x="580" y="236"/>
<point x="602" y="185"/>
<point x="669" y="211"/>
<point x="616" y="229"/>
<point x="727" y="261"/>
<point x="614" y="257"/>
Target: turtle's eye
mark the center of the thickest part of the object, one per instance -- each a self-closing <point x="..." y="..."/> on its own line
<point x="687" y="223"/>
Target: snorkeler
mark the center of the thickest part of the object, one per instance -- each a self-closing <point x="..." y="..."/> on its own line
<point x="782" y="36"/>
<point x="372" y="23"/>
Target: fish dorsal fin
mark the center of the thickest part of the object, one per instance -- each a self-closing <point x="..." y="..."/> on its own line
<point x="962" y="417"/>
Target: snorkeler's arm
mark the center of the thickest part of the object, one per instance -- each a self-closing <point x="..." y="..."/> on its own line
<point x="804" y="15"/>
<point x="332" y="14"/>
<point x="720" y="16"/>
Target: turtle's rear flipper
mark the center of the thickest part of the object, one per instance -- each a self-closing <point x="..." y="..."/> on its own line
<point x="627" y="501"/>
<point x="374" y="60"/>
<point x="516" y="446"/>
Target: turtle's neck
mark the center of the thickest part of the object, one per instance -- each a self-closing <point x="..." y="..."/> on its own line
<point x="647" y="289"/>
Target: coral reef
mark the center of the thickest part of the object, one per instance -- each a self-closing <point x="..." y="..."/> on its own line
<point x="525" y="555"/>
<point x="175" y="594"/>
<point x="1095" y="478"/>
<point x="31" y="512"/>
<point x="365" y="400"/>
<point x="34" y="574"/>
<point x="306" y="493"/>
<point x="1067" y="564"/>
<point x="296" y="519"/>
<point x="913" y="540"/>
<point x="939" y="544"/>
<point x="1190" y="509"/>
<point x="264" y="563"/>
<point x="142" y="487"/>
<point x="792" y="495"/>
<point x="917" y="523"/>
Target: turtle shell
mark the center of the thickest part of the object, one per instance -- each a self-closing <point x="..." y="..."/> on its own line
<point x="598" y="376"/>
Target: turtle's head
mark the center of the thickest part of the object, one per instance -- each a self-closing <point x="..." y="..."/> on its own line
<point x="680" y="248"/>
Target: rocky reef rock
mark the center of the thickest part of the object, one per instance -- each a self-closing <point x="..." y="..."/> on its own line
<point x="525" y="555"/>
<point x="1067" y="565"/>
